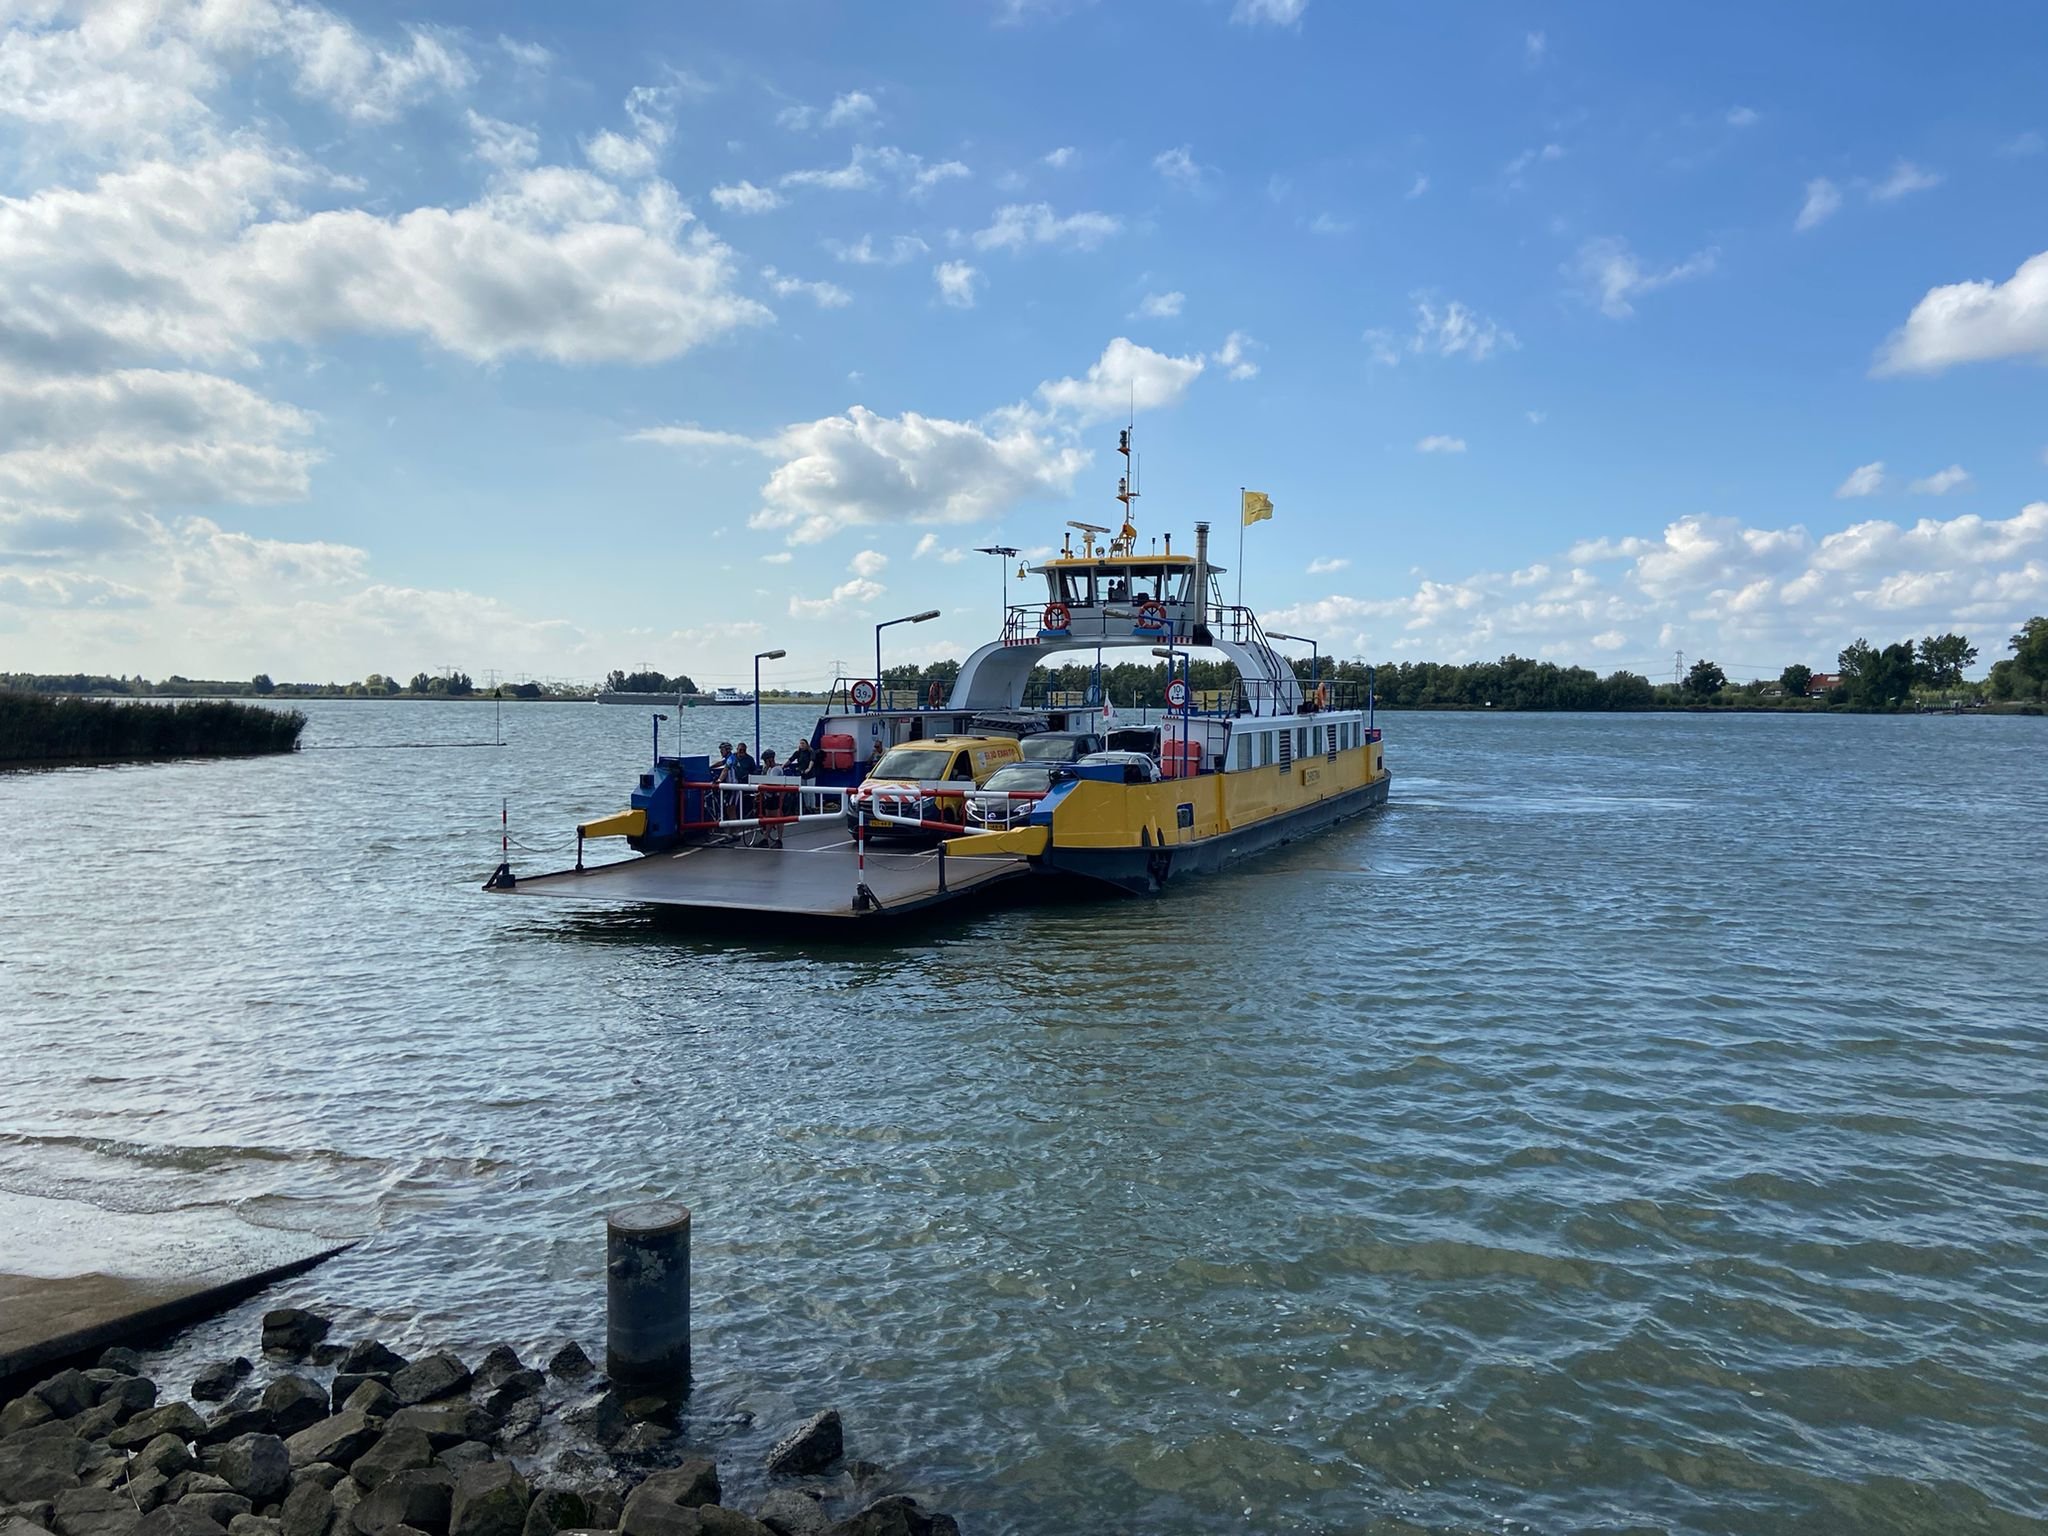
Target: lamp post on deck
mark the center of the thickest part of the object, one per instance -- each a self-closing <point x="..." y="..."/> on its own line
<point x="759" y="657"/>
<point x="1315" y="657"/>
<point x="908" y="618"/>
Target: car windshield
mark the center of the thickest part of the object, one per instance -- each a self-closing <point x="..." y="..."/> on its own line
<point x="1019" y="776"/>
<point x="1047" y="749"/>
<point x="913" y="763"/>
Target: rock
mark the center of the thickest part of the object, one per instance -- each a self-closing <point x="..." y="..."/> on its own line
<point x="254" y="1525"/>
<point x="598" y="1419"/>
<point x="256" y="1466"/>
<point x="185" y="1484"/>
<point x="294" y="1403"/>
<point x="897" y="1515"/>
<point x="21" y="1525"/>
<point x="122" y="1359"/>
<point x="460" y="1458"/>
<point x="372" y="1399"/>
<point x="218" y="1378"/>
<point x="308" y="1511"/>
<point x="25" y="1412"/>
<point x="94" y="1512"/>
<point x="346" y="1386"/>
<point x="686" y="1486"/>
<point x="321" y="1474"/>
<point x="174" y="1520"/>
<point x="170" y="1419"/>
<point x="418" y="1498"/>
<point x="431" y="1378"/>
<point x="40" y="1462"/>
<point x="293" y="1331"/>
<point x="339" y="1440"/>
<point x="720" y="1521"/>
<point x="166" y="1454"/>
<point x="490" y="1500"/>
<point x="554" y="1509"/>
<point x="400" y="1450"/>
<point x="499" y="1361"/>
<point x="660" y="1520"/>
<point x="569" y="1362"/>
<point x="515" y="1388"/>
<point x="68" y="1393"/>
<point x="129" y="1396"/>
<point x="219" y="1507"/>
<point x="347" y="1494"/>
<point x="811" y="1447"/>
<point x="146" y="1489"/>
<point x="371" y="1358"/>
<point x="792" y="1512"/>
<point x="446" y="1424"/>
<point x="643" y="1441"/>
<point x="650" y="1409"/>
<point x="521" y="1424"/>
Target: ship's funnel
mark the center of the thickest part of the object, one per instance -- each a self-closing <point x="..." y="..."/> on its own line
<point x="1201" y="631"/>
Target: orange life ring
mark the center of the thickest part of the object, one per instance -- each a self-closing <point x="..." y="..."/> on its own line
<point x="1151" y="615"/>
<point x="1056" y="616"/>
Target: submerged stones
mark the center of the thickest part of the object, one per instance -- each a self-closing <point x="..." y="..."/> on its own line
<point x="293" y="1331"/>
<point x="425" y="1380"/>
<point x="811" y="1447"/>
<point x="218" y="1379"/>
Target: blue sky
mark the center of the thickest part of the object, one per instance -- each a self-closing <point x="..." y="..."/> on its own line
<point x="547" y="340"/>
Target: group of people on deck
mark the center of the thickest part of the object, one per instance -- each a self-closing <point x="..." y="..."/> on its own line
<point x="736" y="765"/>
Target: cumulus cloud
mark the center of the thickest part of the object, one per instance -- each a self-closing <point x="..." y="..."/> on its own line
<point x="1178" y="166"/>
<point x="1124" y="374"/>
<point x="1864" y="480"/>
<point x="851" y="109"/>
<point x="1438" y="442"/>
<point x="824" y="295"/>
<point x="1018" y="226"/>
<point x="1973" y="322"/>
<point x="956" y="280"/>
<point x="865" y="253"/>
<point x="1742" y="117"/>
<point x="1614" y="277"/>
<point x="1270" y="13"/>
<point x="1059" y="159"/>
<point x="1451" y="329"/>
<point x="1941" y="482"/>
<point x="1328" y="565"/>
<point x="744" y="197"/>
<point x="1161" y="306"/>
<point x="1234" y="357"/>
<point x="1906" y="178"/>
<point x="501" y="145"/>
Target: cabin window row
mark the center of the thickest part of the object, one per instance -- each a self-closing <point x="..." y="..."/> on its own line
<point x="1262" y="749"/>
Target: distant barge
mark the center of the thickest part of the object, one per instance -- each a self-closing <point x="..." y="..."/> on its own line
<point x="898" y="817"/>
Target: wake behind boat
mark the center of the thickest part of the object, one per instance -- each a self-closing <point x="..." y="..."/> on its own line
<point x="897" y="813"/>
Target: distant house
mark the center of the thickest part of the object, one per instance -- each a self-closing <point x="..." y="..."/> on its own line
<point x="1821" y="683"/>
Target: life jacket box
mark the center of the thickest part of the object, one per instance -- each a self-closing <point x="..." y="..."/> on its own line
<point x="835" y="753"/>
<point x="1180" y="759"/>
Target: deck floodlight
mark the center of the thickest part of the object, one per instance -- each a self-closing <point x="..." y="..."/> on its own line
<point x="759" y="657"/>
<point x="908" y="618"/>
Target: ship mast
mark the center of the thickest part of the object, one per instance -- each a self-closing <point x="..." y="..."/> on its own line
<point x="1127" y="486"/>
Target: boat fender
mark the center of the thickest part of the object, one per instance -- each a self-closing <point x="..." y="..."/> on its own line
<point x="1057" y="616"/>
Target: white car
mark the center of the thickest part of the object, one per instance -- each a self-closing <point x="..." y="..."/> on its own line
<point x="1137" y="767"/>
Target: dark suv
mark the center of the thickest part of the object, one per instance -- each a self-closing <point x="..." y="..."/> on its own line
<point x="1059" y="746"/>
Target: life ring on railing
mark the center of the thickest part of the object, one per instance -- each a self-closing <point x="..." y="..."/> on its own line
<point x="863" y="694"/>
<point x="1322" y="695"/>
<point x="1152" y="616"/>
<point x="932" y="695"/>
<point x="1056" y="616"/>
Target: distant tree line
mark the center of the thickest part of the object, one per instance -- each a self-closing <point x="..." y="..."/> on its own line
<point x="648" y="682"/>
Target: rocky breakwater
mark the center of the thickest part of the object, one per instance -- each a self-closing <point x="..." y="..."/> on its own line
<point x="362" y="1441"/>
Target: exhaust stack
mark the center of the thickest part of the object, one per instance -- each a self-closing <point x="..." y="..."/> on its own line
<point x="1201" y="630"/>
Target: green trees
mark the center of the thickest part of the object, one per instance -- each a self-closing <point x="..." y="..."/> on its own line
<point x="262" y="684"/>
<point x="649" y="681"/>
<point x="1944" y="658"/>
<point x="1705" y="679"/>
<point x="1795" y="680"/>
<point x="2024" y="674"/>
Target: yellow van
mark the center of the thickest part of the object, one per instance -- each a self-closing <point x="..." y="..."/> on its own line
<point x="926" y="781"/>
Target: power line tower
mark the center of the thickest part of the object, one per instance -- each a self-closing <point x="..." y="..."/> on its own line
<point x="1678" y="669"/>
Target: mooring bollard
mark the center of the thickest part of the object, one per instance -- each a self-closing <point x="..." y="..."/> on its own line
<point x="647" y="1294"/>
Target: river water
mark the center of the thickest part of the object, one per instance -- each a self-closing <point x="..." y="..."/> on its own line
<point x="1639" y="1126"/>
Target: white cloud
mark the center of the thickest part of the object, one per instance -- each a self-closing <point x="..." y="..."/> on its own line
<point x="1864" y="480"/>
<point x="1327" y="565"/>
<point x="690" y="435"/>
<point x="1823" y="200"/>
<point x="869" y="562"/>
<point x="615" y="155"/>
<point x="1942" y="481"/>
<point x="863" y="252"/>
<point x="824" y="295"/>
<point x="1178" y="166"/>
<point x="745" y="197"/>
<point x="1614" y="277"/>
<point x="852" y="109"/>
<point x="847" y="597"/>
<point x="1534" y="46"/>
<point x="956" y="280"/>
<point x="1438" y="442"/>
<point x="779" y="557"/>
<point x="1234" y="357"/>
<point x="912" y="173"/>
<point x="925" y="546"/>
<point x="1973" y="322"/>
<point x="502" y="146"/>
<point x="1537" y="418"/>
<point x="1420" y="186"/>
<point x="530" y="57"/>
<point x="1512" y="172"/>
<point x="1160" y="306"/>
<point x="1059" y="159"/>
<point x="1275" y="13"/>
<point x="1126" y="375"/>
<point x="1906" y="178"/>
<point x="1457" y="330"/>
<point x="1327" y="223"/>
<point x="2024" y="145"/>
<point x="1018" y="225"/>
<point x="1742" y="117"/>
<point x="850" y="177"/>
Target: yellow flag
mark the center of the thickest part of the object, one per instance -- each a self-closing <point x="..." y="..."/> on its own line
<point x="1258" y="507"/>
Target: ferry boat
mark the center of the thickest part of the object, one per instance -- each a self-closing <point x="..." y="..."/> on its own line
<point x="1265" y="763"/>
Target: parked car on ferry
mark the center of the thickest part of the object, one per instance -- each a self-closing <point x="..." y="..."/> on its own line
<point x="1137" y="767"/>
<point x="928" y="780"/>
<point x="1059" y="746"/>
<point x="985" y="811"/>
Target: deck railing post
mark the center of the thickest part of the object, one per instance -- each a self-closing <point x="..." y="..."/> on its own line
<point x="942" y="863"/>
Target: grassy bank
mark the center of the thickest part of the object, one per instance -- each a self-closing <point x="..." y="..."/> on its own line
<point x="38" y="729"/>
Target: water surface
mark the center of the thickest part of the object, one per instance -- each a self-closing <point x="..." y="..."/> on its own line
<point x="1639" y="1126"/>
